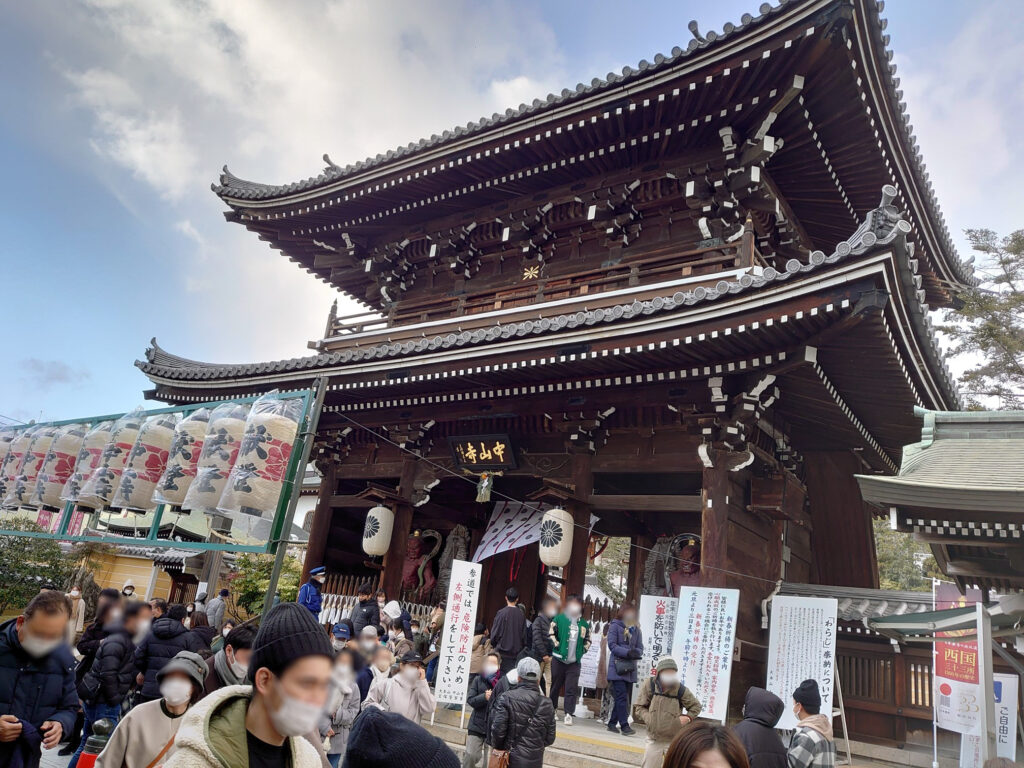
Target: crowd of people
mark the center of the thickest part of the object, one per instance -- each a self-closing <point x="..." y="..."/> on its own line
<point x="186" y="688"/>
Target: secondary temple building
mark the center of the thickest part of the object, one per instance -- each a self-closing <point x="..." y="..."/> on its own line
<point x="689" y="300"/>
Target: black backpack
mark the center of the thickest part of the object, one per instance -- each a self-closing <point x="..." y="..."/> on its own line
<point x="678" y="697"/>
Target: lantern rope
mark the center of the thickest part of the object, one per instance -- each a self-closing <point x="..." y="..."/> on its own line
<point x="536" y="507"/>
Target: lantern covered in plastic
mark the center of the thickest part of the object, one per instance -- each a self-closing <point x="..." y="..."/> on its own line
<point x="377" y="532"/>
<point x="556" y="538"/>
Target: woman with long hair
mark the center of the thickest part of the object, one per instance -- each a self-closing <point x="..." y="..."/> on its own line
<point x="706" y="745"/>
<point x="201" y="628"/>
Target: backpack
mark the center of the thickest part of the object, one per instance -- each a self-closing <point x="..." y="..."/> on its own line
<point x="678" y="697"/>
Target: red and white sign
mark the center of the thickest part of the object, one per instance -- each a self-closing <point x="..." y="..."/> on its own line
<point x="957" y="692"/>
<point x="704" y="634"/>
<point x="456" y="649"/>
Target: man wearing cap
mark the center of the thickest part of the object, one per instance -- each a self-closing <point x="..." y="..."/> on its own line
<point x="309" y="593"/>
<point x="407" y="693"/>
<point x="341" y="634"/>
<point x="524" y="719"/>
<point x="811" y="745"/>
<point x="665" y="706"/>
<point x="387" y="740"/>
<point x="145" y="736"/>
<point x="263" y="725"/>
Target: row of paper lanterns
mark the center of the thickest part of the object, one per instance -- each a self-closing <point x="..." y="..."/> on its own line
<point x="556" y="533"/>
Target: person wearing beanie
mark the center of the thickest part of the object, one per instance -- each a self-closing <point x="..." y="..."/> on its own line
<point x="761" y="712"/>
<point x="407" y="693"/>
<point x="812" y="744"/>
<point x="273" y="722"/>
<point x="524" y="719"/>
<point x="309" y="593"/>
<point x="145" y="736"/>
<point x="666" y="707"/>
<point x="382" y="739"/>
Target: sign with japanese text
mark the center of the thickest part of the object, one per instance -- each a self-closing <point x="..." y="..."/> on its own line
<point x="802" y="646"/>
<point x="657" y="616"/>
<point x="1005" y="691"/>
<point x="481" y="452"/>
<point x="957" y="691"/>
<point x="704" y="633"/>
<point x="591" y="661"/>
<point x="457" y="636"/>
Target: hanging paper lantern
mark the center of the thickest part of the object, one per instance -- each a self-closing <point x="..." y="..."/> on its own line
<point x="19" y="492"/>
<point x="556" y="538"/>
<point x="102" y="484"/>
<point x="89" y="457"/>
<point x="58" y="466"/>
<point x="183" y="458"/>
<point x="146" y="464"/>
<point x="220" y="447"/>
<point x="377" y="532"/>
<point x="15" y="459"/>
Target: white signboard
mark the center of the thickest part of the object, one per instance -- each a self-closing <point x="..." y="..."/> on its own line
<point x="1005" y="725"/>
<point x="590" y="661"/>
<point x="702" y="643"/>
<point x="955" y="679"/>
<point x="457" y="637"/>
<point x="802" y="646"/>
<point x="657" y="616"/>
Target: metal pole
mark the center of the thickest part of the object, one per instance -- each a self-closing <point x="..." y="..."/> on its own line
<point x="842" y="719"/>
<point x="935" y="714"/>
<point x="986" y="710"/>
<point x="312" y="418"/>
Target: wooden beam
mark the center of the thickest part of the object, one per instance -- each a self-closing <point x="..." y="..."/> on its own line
<point x="645" y="502"/>
<point x="714" y="525"/>
<point x="583" y="482"/>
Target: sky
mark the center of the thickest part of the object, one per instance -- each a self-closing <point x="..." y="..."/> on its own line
<point x="115" y="117"/>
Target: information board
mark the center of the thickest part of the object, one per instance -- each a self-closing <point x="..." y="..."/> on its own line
<point x="703" y="637"/>
<point x="657" y="616"/>
<point x="457" y="636"/>
<point x="591" y="660"/>
<point x="957" y="690"/>
<point x="1005" y="690"/>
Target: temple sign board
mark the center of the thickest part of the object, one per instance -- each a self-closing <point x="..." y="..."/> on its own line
<point x="483" y="452"/>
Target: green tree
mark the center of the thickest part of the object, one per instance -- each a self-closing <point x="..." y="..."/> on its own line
<point x="901" y="559"/>
<point x="611" y="568"/>
<point x="988" y="329"/>
<point x="251" y="580"/>
<point x="27" y="563"/>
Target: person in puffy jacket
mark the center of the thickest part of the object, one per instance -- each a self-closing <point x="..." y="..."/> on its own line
<point x="625" y="649"/>
<point x="479" y="698"/>
<point x="524" y="719"/>
<point x="366" y="612"/>
<point x="166" y="638"/>
<point x="761" y="711"/>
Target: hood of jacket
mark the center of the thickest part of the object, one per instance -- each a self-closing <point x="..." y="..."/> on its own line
<point x="165" y="628"/>
<point x="818" y="723"/>
<point x="763" y="707"/>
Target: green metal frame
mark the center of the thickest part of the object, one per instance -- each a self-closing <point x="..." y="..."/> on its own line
<point x="312" y="402"/>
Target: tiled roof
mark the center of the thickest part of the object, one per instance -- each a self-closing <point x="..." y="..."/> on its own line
<point x="858" y="603"/>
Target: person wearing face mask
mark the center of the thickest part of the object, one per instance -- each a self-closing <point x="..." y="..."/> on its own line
<point x="812" y="744"/>
<point x="625" y="647"/>
<point x="570" y="639"/>
<point x="523" y="723"/>
<point x="77" y="624"/>
<point x="218" y="641"/>
<point x="343" y="706"/>
<point x="541" y="645"/>
<point x="230" y="665"/>
<point x="407" y="693"/>
<point x="398" y="643"/>
<point x="369" y="642"/>
<point x="105" y="685"/>
<point x="666" y="707"/>
<point x="309" y="593"/>
<point x="128" y="590"/>
<point x="341" y="634"/>
<point x="165" y="639"/>
<point x="366" y="612"/>
<point x="37" y="679"/>
<point x="146" y="735"/>
<point x="479" y="696"/>
<point x="273" y="722"/>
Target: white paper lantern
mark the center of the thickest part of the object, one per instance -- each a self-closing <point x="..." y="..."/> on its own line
<point x="556" y="538"/>
<point x="377" y="532"/>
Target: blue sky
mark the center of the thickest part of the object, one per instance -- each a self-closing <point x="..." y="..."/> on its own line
<point x="117" y="116"/>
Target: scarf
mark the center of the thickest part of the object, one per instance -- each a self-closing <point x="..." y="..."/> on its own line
<point x="224" y="671"/>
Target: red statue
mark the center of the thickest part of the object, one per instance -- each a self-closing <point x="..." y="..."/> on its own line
<point x="418" y="578"/>
<point x="687" y="574"/>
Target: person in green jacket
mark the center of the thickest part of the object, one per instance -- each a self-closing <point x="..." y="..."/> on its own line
<point x="570" y="636"/>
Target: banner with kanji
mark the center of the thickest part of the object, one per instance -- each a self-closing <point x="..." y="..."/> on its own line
<point x="702" y="643"/>
<point x="1005" y="725"/>
<point x="456" y="648"/>
<point x="657" y="616"/>
<point x="957" y="691"/>
<point x="802" y="646"/>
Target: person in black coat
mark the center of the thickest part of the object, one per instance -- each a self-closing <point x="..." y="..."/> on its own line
<point x="524" y="720"/>
<point x="761" y="712"/>
<point x="366" y="612"/>
<point x="508" y="630"/>
<point x="167" y="637"/>
<point x="479" y="698"/>
<point x="37" y="679"/>
<point x="202" y="630"/>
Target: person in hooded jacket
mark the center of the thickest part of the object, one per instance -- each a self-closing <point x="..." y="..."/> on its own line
<point x="479" y="698"/>
<point x="626" y="648"/>
<point x="761" y="712"/>
<point x="524" y="719"/>
<point x="167" y="637"/>
<point x="812" y="744"/>
<point x="407" y="693"/>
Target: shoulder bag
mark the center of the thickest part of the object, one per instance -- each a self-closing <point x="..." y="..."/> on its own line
<point x="499" y="758"/>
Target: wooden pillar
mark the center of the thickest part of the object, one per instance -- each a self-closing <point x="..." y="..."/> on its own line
<point x="714" y="526"/>
<point x="391" y="579"/>
<point x="639" y="548"/>
<point x="583" y="483"/>
<point x="320" y="528"/>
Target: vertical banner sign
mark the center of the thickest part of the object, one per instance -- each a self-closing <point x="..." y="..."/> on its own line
<point x="957" y="693"/>
<point x="591" y="660"/>
<point x="457" y="641"/>
<point x="1005" y="690"/>
<point x="657" y="616"/>
<point x="802" y="646"/>
<point x="703" y="637"/>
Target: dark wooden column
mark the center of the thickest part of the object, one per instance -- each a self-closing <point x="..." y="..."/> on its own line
<point x="583" y="485"/>
<point x="320" y="529"/>
<point x="391" y="580"/>
<point x="639" y="548"/>
<point x="714" y="525"/>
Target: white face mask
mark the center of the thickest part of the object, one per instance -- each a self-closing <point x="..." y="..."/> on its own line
<point x="668" y="679"/>
<point x="37" y="647"/>
<point x="412" y="674"/>
<point x="129" y="592"/>
<point x="237" y="668"/>
<point x="489" y="670"/>
<point x="382" y="665"/>
<point x="141" y="631"/>
<point x="75" y="593"/>
<point x="114" y="615"/>
<point x="337" y="644"/>
<point x="190" y="609"/>
<point x="368" y="645"/>
<point x="224" y="632"/>
<point x="295" y="717"/>
<point x="176" y="691"/>
<point x="343" y="674"/>
<point x="574" y="611"/>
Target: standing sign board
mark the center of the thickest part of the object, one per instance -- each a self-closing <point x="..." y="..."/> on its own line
<point x="802" y="646"/>
<point x="957" y="691"/>
<point x="1005" y="691"/>
<point x="657" y="616"/>
<point x="591" y="661"/>
<point x="457" y="640"/>
<point x="703" y="638"/>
